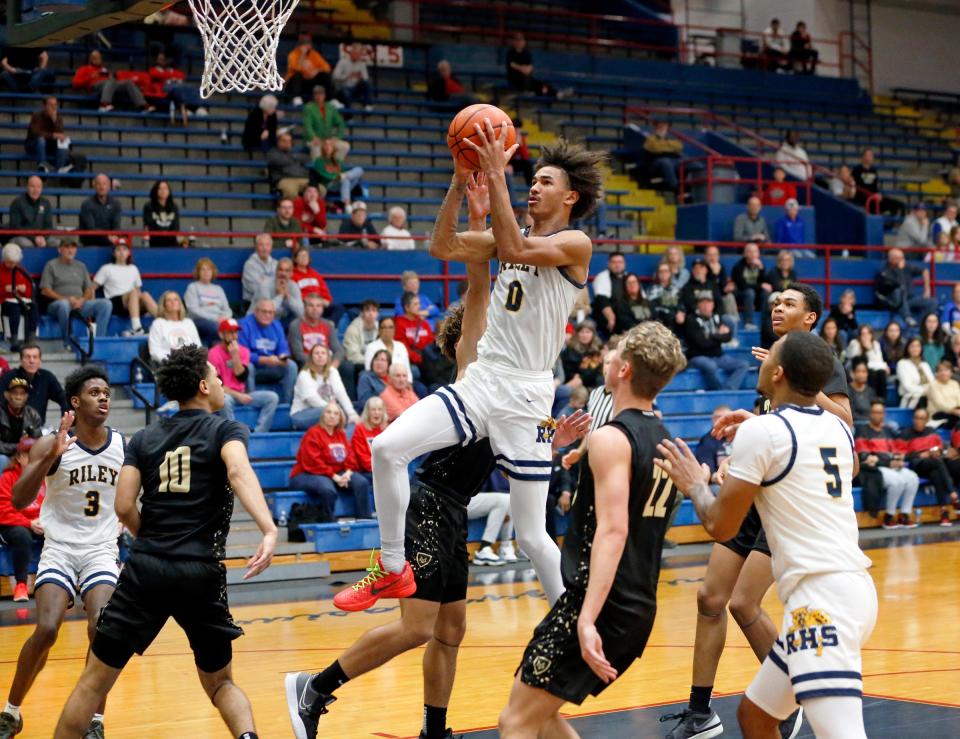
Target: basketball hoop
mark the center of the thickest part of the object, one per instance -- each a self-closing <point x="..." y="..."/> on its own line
<point x="240" y="39"/>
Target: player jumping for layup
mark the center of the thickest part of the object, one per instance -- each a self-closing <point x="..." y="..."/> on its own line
<point x="797" y="465"/>
<point x="507" y="393"/>
<point x="79" y="555"/>
<point x="189" y="467"/>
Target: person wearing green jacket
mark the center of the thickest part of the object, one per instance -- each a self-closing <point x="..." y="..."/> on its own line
<point x="321" y="121"/>
<point x="329" y="170"/>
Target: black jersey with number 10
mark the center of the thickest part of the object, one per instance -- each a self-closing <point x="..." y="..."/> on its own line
<point x="187" y="499"/>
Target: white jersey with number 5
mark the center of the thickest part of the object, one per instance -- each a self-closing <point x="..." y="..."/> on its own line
<point x="803" y="459"/>
<point x="527" y="317"/>
<point x="81" y="489"/>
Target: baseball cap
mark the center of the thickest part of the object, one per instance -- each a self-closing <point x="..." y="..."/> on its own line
<point x="25" y="444"/>
<point x="18" y="382"/>
<point x="791" y="203"/>
<point x="699" y="261"/>
<point x="358" y="205"/>
<point x="228" y="324"/>
<point x="704" y="295"/>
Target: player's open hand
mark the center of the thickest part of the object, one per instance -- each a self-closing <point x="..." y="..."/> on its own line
<point x="678" y="461"/>
<point x="727" y="425"/>
<point x="478" y="196"/>
<point x="64" y="440"/>
<point x="570" y="458"/>
<point x="493" y="158"/>
<point x="570" y="428"/>
<point x="591" y="649"/>
<point x="263" y="557"/>
<point x="759" y="353"/>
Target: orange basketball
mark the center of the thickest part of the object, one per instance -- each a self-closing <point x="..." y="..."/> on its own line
<point x="463" y="127"/>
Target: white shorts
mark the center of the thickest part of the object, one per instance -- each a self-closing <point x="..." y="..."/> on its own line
<point x="510" y="407"/>
<point x="77" y="568"/>
<point x="826" y="620"/>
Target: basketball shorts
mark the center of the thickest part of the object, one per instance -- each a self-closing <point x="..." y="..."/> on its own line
<point x="152" y="590"/>
<point x="826" y="620"/>
<point x="436" y="545"/>
<point x="750" y="537"/>
<point x="77" y="568"/>
<point x="552" y="660"/>
<point x="513" y="409"/>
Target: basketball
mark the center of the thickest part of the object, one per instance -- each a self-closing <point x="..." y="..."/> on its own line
<point x="463" y="127"/>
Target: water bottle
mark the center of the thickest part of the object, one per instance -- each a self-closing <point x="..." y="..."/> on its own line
<point x="283" y="518"/>
<point x="138" y="376"/>
<point x="173" y="112"/>
<point x="223" y="136"/>
<point x="919" y="515"/>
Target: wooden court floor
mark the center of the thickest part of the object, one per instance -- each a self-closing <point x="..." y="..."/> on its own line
<point x="914" y="655"/>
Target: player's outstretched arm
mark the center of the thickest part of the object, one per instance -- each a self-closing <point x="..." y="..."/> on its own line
<point x="125" y="505"/>
<point x="610" y="457"/>
<point x="42" y="456"/>
<point x="446" y="243"/>
<point x="838" y="404"/>
<point x="247" y="488"/>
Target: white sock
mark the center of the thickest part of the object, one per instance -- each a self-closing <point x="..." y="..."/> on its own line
<point x="98" y="717"/>
<point x="528" y="501"/>
<point x="12" y="710"/>
<point x="135" y="323"/>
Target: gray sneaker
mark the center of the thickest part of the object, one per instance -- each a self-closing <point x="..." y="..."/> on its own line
<point x="791" y="727"/>
<point x="10" y="726"/>
<point x="94" y="731"/>
<point x="304" y="704"/>
<point x="694" y="725"/>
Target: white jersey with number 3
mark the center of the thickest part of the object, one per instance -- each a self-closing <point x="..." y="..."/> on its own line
<point x="81" y="490"/>
<point x="527" y="317"/>
<point x="803" y="459"/>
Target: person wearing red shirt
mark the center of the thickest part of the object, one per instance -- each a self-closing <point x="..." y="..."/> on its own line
<point x="398" y="395"/>
<point x="310" y="281"/>
<point x="373" y="420"/>
<point x="311" y="211"/>
<point x="779" y="191"/>
<point x="17" y="297"/>
<point x="325" y="465"/>
<point x="19" y="530"/>
<point x="93" y="78"/>
<point x="411" y="330"/>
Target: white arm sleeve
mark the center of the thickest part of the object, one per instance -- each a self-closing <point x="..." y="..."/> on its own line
<point x="762" y="449"/>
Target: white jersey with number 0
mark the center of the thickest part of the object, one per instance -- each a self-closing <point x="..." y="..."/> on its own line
<point x="81" y="489"/>
<point x="803" y="458"/>
<point x="527" y="317"/>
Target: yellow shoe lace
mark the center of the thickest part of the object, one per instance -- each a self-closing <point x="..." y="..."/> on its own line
<point x="375" y="573"/>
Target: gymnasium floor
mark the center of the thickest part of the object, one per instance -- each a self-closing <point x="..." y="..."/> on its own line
<point x="911" y="664"/>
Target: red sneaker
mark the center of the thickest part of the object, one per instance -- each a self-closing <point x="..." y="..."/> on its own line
<point x="376" y="584"/>
<point x="20" y="594"/>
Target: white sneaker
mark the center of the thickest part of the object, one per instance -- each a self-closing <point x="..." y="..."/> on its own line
<point x="298" y="102"/>
<point x="202" y="112"/>
<point x="507" y="552"/>
<point x="337" y="104"/>
<point x="486" y="556"/>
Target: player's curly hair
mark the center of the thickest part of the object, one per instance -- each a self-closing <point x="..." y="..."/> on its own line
<point x="582" y="168"/>
<point x="179" y="375"/>
<point x="448" y="334"/>
<point x="655" y="355"/>
<point x="75" y="381"/>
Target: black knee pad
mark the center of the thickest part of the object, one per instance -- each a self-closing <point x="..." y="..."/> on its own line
<point x="111" y="652"/>
<point x="213" y="654"/>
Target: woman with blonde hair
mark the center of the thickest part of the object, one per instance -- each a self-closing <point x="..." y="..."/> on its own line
<point x="171" y="329"/>
<point x="373" y="420"/>
<point x="206" y="301"/>
<point x="582" y="359"/>
<point x="317" y="385"/>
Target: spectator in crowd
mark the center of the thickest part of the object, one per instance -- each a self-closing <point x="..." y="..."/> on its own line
<point x="396" y="235"/>
<point x="412" y="330"/>
<point x="608" y="288"/>
<point x="260" y="269"/>
<point x="322" y="121"/>
<point x="311" y="211"/>
<point x="520" y="69"/>
<point x="793" y="158"/>
<point x="943" y="396"/>
<point x="866" y="346"/>
<point x="712" y="451"/>
<point x="206" y="302"/>
<point x="32" y="212"/>
<point x="283" y="221"/>
<point x="779" y="191"/>
<point x="631" y="307"/>
<point x="782" y="276"/>
<point x="313" y="329"/>
<point x="933" y="338"/>
<point x="676" y="260"/>
<point x="94" y="79"/>
<point x="867" y="178"/>
<point x="25" y="69"/>
<point x="356" y="232"/>
<point x="329" y="172"/>
<point x="893" y="287"/>
<point x="750" y="225"/>
<point x="802" y="54"/>
<point x="43" y="385"/>
<point x="372" y="422"/>
<point x="352" y="79"/>
<point x="160" y="213"/>
<point x="845" y="314"/>
<point x="374" y="380"/>
<point x="690" y="294"/>
<point x="270" y="361"/>
<point x="520" y="162"/>
<point x="664" y="297"/>
<point x="752" y="290"/>
<point x="861" y="394"/>
<point x="66" y="283"/>
<point x="398" y="395"/>
<point x="776" y="47"/>
<point x="913" y="374"/>
<point x="232" y="361"/>
<point x="260" y="128"/>
<point x="20" y="529"/>
<point x="717" y="274"/>
<point x="282" y="292"/>
<point x="843" y="185"/>
<point x="831" y="334"/>
<point x="306" y="69"/>
<point x="17" y="419"/>
<point x="945" y="248"/>
<point x="410" y="283"/>
<point x="582" y="357"/>
<point x="385" y="340"/>
<point x="362" y="331"/>
<point x="47" y="142"/>
<point x="494" y="505"/>
<point x="878" y="448"/>
<point x="437" y="368"/>
<point x="326" y="465"/>
<point x="950" y="315"/>
<point x="893" y="345"/>
<point x="287" y="170"/>
<point x="100" y="212"/>
<point x="171" y="329"/>
<point x="317" y="385"/>
<point x="924" y="453"/>
<point x="169" y="83"/>
<point x="946" y="222"/>
<point x="665" y="153"/>
<point x="123" y="287"/>
<point x="914" y="232"/>
<point x="444" y="87"/>
<point x="311" y="282"/>
<point x="16" y="289"/>
<point x="706" y="336"/>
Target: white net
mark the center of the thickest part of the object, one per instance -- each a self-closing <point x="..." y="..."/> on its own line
<point x="240" y="39"/>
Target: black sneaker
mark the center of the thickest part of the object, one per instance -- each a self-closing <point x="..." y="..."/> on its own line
<point x="447" y="735"/>
<point x="94" y="731"/>
<point x="791" y="727"/>
<point x="10" y="726"/>
<point x="305" y="704"/>
<point x="694" y="724"/>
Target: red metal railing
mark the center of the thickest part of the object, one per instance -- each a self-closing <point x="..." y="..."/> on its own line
<point x="690" y="166"/>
